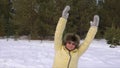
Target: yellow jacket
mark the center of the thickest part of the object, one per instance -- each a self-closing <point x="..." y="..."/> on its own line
<point x="69" y="59"/>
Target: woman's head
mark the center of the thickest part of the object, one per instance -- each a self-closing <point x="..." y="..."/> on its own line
<point x="71" y="41"/>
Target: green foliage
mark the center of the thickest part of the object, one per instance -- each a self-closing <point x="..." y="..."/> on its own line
<point x="112" y="35"/>
<point x="2" y="32"/>
<point x="25" y="18"/>
<point x="38" y="18"/>
<point x="6" y="17"/>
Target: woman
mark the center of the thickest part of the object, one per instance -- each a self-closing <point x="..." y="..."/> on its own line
<point x="68" y="50"/>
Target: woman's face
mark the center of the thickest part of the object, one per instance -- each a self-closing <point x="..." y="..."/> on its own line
<point x="70" y="45"/>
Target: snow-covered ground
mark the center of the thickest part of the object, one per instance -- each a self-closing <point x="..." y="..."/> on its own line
<point x="37" y="54"/>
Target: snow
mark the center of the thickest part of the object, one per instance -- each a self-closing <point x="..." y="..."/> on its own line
<point x="40" y="54"/>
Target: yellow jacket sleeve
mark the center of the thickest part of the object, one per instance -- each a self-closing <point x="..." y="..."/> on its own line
<point x="90" y="36"/>
<point x="59" y="33"/>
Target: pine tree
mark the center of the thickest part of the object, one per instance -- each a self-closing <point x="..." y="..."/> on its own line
<point x="25" y="18"/>
<point x="112" y="35"/>
<point x="7" y="12"/>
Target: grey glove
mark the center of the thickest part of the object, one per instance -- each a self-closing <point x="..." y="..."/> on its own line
<point x="95" y="21"/>
<point x="65" y="13"/>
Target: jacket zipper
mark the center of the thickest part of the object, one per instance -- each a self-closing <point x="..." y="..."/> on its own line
<point x="69" y="60"/>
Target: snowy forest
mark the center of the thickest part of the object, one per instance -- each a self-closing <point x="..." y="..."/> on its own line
<point x="27" y="29"/>
<point x="37" y="19"/>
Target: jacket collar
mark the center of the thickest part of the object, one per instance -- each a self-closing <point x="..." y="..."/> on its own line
<point x="73" y="51"/>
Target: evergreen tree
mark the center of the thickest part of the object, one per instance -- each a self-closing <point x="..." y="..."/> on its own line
<point x="40" y="17"/>
<point x="25" y="18"/>
<point x="6" y="16"/>
<point x="47" y="17"/>
<point x="112" y="35"/>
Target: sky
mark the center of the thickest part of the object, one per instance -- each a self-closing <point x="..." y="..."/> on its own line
<point x="40" y="54"/>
